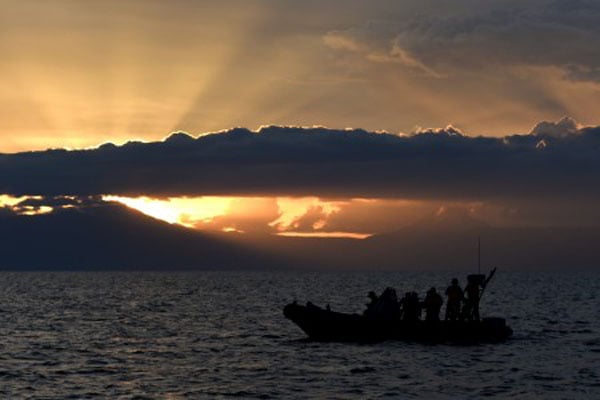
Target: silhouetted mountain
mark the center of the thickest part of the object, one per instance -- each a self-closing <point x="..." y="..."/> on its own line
<point x="449" y="239"/>
<point x="446" y="240"/>
<point x="110" y="236"/>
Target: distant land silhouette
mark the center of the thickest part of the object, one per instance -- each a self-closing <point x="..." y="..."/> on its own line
<point x="111" y="236"/>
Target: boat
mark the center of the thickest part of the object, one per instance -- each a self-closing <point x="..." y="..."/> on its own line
<point x="383" y="321"/>
<point x="326" y="325"/>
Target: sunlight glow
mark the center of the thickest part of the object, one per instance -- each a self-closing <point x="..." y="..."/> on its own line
<point x="309" y="216"/>
<point x="331" y="235"/>
<point x="17" y="206"/>
<point x="356" y="218"/>
<point x="9" y="201"/>
<point x="184" y="211"/>
<point x="36" y="211"/>
<point x="302" y="216"/>
<point x="230" y="229"/>
<point x="293" y="210"/>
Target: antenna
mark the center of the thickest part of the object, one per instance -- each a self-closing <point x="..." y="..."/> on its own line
<point x="479" y="255"/>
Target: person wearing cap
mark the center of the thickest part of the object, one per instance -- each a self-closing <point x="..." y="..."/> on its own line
<point x="455" y="297"/>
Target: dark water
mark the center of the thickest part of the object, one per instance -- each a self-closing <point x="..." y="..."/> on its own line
<point x="223" y="335"/>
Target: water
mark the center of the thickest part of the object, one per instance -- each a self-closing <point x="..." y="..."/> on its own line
<point x="223" y="335"/>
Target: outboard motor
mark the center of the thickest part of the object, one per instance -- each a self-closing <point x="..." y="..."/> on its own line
<point x="496" y="328"/>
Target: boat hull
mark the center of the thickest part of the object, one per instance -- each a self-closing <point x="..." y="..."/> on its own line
<point x="325" y="325"/>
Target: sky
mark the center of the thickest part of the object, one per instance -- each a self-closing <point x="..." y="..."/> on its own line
<point x="489" y="106"/>
<point x="77" y="74"/>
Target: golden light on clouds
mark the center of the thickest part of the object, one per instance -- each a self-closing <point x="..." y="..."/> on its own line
<point x="292" y="210"/>
<point x="331" y="235"/>
<point x="24" y="209"/>
<point x="301" y="216"/>
<point x="6" y="200"/>
<point x="189" y="212"/>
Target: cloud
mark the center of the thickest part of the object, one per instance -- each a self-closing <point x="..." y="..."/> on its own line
<point x="305" y="214"/>
<point x="561" y="129"/>
<point x="293" y="161"/>
<point x="35" y="205"/>
<point x="561" y="33"/>
<point x="365" y="42"/>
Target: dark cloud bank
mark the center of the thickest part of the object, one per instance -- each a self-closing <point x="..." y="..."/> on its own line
<point x="556" y="159"/>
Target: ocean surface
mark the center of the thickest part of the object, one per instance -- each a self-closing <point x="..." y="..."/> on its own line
<point x="212" y="335"/>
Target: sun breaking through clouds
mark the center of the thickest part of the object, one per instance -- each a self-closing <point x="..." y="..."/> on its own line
<point x="76" y="74"/>
<point x="111" y="80"/>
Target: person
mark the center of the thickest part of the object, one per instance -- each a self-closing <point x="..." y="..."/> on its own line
<point x="455" y="297"/>
<point x="432" y="304"/>
<point x="473" y="292"/>
<point x="411" y="308"/>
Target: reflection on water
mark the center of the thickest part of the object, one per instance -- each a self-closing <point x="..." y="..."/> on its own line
<point x="222" y="334"/>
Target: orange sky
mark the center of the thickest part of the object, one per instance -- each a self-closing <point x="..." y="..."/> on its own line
<point x="76" y="74"/>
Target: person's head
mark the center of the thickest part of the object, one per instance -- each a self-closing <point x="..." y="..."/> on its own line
<point x="454" y="281"/>
<point x="372" y="295"/>
<point x="431" y="291"/>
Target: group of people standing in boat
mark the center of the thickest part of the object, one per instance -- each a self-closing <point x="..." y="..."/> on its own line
<point x="460" y="304"/>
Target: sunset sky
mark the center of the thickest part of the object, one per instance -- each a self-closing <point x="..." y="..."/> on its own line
<point x="472" y="96"/>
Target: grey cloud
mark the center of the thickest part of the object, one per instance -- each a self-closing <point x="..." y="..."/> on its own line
<point x="432" y="164"/>
<point x="560" y="33"/>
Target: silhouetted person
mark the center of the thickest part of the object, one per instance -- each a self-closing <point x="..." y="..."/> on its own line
<point x="455" y="297"/>
<point x="411" y="308"/>
<point x="472" y="292"/>
<point x="432" y="304"/>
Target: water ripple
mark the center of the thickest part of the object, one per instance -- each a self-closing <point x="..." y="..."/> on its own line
<point x="222" y="335"/>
